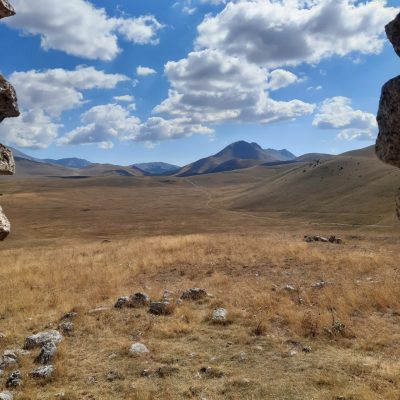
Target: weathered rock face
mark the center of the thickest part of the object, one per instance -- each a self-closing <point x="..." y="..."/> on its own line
<point x="6" y="9"/>
<point x="388" y="142"/>
<point x="8" y="109"/>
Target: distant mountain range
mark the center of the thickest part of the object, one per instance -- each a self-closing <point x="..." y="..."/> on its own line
<point x="238" y="155"/>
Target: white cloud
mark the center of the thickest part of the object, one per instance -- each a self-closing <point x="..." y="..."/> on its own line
<point x="58" y="90"/>
<point x="102" y="125"/>
<point x="290" y="32"/>
<point x="337" y="113"/>
<point x="125" y="98"/>
<point x="145" y="71"/>
<point x="78" y="28"/>
<point x="43" y="96"/>
<point x="210" y="87"/>
<point x="33" y="129"/>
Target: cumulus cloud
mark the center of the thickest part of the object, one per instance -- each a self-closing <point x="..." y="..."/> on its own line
<point x="337" y="113"/>
<point x="78" y="28"/>
<point x="145" y="71"/>
<point x="44" y="95"/>
<point x="33" y="129"/>
<point x="124" y="98"/>
<point x="290" y="32"/>
<point x="102" y="125"/>
<point x="210" y="87"/>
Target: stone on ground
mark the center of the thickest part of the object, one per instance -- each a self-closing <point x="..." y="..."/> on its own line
<point x="42" y="338"/>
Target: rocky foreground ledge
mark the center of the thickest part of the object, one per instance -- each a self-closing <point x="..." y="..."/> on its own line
<point x="388" y="142"/>
<point x="8" y="109"/>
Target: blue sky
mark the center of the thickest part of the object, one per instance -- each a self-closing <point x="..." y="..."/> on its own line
<point x="301" y="75"/>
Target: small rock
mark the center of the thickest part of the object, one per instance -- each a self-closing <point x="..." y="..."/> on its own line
<point x="219" y="315"/>
<point x="242" y="356"/>
<point x="66" y="327"/>
<point x="307" y="349"/>
<point x="319" y="285"/>
<point x="139" y="300"/>
<point x="334" y="239"/>
<point x="168" y="295"/>
<point x="138" y="348"/>
<point x="42" y="338"/>
<point x="46" y="354"/>
<point x="122" y="302"/>
<point x="289" y="288"/>
<point x="292" y="353"/>
<point x="161" y="308"/>
<point x="43" y="372"/>
<point x="14" y="380"/>
<point x="194" y="294"/>
<point x="6" y="396"/>
<point x="145" y="373"/>
<point x="8" y="358"/>
<point x="113" y="376"/>
<point x="211" y="372"/>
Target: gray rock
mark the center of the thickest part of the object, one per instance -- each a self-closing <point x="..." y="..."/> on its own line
<point x="194" y="294"/>
<point x="14" y="380"/>
<point x="46" y="354"/>
<point x="8" y="100"/>
<point x="8" y="358"/>
<point x="42" y="338"/>
<point x="138" y="348"/>
<point x="139" y="299"/>
<point x="393" y="33"/>
<point x="66" y="327"/>
<point x="43" y="372"/>
<point x="5" y="227"/>
<point x="219" y="315"/>
<point x="388" y="141"/>
<point x="7" y="163"/>
<point x="161" y="307"/>
<point x="6" y="9"/>
<point x="113" y="376"/>
<point x="122" y="302"/>
<point x="6" y="396"/>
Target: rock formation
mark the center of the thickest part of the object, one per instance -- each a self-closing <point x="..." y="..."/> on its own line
<point x="388" y="142"/>
<point x="8" y="109"/>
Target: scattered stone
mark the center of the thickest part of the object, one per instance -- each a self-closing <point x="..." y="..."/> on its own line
<point x="14" y="380"/>
<point x="306" y="349"/>
<point x="310" y="239"/>
<point x="122" y="302"/>
<point x="6" y="395"/>
<point x="219" y="315"/>
<point x="43" y="372"/>
<point x="292" y="353"/>
<point x="42" y="338"/>
<point x="69" y="316"/>
<point x="161" y="308"/>
<point x="210" y="372"/>
<point x="242" y="356"/>
<point x="194" y="294"/>
<point x="113" y="376"/>
<point x="168" y="295"/>
<point x="289" y="288"/>
<point x="145" y="373"/>
<point x="66" y="327"/>
<point x="138" y="348"/>
<point x="319" y="285"/>
<point x="334" y="239"/>
<point x="46" y="354"/>
<point x="7" y="163"/>
<point x="8" y="358"/>
<point x="139" y="299"/>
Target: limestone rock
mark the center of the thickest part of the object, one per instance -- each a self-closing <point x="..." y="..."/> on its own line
<point x="194" y="294"/>
<point x="5" y="226"/>
<point x="393" y="33"/>
<point x="46" y="354"/>
<point x="6" y="396"/>
<point x="41" y="339"/>
<point x="219" y="315"/>
<point x="14" y="380"/>
<point x="138" y="348"/>
<point x="161" y="308"/>
<point x="7" y="163"/>
<point x="43" y="372"/>
<point x="8" y="100"/>
<point x="388" y="142"/>
<point x="6" y="9"/>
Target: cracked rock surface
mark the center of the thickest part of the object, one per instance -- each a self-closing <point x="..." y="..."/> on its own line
<point x="6" y="9"/>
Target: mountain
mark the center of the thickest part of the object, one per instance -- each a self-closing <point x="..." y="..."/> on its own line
<point x="69" y="162"/>
<point x="19" y="154"/>
<point x="238" y="155"/>
<point x="157" y="168"/>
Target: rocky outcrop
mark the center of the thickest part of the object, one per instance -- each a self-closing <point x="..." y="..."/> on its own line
<point x="8" y="109"/>
<point x="6" y="9"/>
<point x="388" y="142"/>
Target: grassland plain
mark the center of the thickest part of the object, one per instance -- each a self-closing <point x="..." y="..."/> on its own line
<point x="79" y="244"/>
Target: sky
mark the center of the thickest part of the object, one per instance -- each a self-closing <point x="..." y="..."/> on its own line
<point x="130" y="81"/>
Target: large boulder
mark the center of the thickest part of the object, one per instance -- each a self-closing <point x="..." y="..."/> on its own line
<point x="393" y="33"/>
<point x="8" y="100"/>
<point x="7" y="163"/>
<point x="6" y="9"/>
<point x="5" y="226"/>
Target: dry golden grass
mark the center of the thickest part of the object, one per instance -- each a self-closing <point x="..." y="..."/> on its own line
<point x="351" y="324"/>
